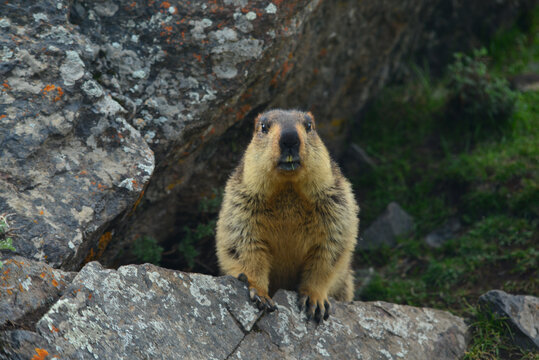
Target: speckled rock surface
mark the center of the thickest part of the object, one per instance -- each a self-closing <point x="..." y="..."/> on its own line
<point x="521" y="312"/>
<point x="27" y="290"/>
<point x="70" y="163"/>
<point x="143" y="311"/>
<point x="375" y="330"/>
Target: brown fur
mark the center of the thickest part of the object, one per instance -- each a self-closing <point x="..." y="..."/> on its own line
<point x="289" y="229"/>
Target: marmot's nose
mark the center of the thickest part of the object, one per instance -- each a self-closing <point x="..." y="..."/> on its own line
<point x="289" y="139"/>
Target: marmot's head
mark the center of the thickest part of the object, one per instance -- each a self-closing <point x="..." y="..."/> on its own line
<point x="285" y="145"/>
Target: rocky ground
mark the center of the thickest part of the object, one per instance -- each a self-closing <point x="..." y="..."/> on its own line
<point x="143" y="311"/>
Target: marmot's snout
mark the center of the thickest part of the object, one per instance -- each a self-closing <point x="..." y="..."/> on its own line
<point x="289" y="145"/>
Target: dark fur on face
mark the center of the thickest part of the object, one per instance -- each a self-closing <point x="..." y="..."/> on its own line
<point x="291" y="129"/>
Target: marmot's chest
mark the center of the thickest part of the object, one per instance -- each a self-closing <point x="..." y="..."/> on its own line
<point x="291" y="225"/>
<point x="288" y="209"/>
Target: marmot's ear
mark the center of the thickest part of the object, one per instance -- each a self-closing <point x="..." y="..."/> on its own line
<point x="257" y="121"/>
<point x="309" y="116"/>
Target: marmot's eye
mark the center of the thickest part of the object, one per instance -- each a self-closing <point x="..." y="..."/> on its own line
<point x="264" y="127"/>
<point x="308" y="126"/>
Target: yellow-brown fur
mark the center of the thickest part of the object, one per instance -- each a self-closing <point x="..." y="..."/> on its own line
<point x="293" y="229"/>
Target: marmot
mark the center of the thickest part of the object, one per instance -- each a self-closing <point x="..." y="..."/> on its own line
<point x="289" y="218"/>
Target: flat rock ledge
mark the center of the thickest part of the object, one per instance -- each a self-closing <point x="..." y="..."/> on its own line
<point x="147" y="312"/>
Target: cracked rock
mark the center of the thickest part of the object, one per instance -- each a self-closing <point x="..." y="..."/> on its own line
<point x="143" y="311"/>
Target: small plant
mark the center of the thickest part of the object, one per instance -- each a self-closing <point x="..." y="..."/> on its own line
<point x="145" y="248"/>
<point x="201" y="236"/>
<point x="186" y="246"/>
<point x="6" y="241"/>
<point x="479" y="102"/>
<point x="212" y="203"/>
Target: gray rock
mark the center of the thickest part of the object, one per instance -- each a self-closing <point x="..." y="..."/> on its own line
<point x="27" y="290"/>
<point x="70" y="163"/>
<point x="525" y="82"/>
<point x="446" y="232"/>
<point x="22" y="345"/>
<point x="394" y="222"/>
<point x="356" y="330"/>
<point x="143" y="311"/>
<point x="521" y="312"/>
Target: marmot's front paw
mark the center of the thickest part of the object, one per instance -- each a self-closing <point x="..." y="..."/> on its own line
<point x="315" y="305"/>
<point x="260" y="297"/>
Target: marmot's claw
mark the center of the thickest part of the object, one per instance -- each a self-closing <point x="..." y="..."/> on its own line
<point x="262" y="301"/>
<point x="319" y="309"/>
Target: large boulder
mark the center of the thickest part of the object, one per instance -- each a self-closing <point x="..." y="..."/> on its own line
<point x="149" y="312"/>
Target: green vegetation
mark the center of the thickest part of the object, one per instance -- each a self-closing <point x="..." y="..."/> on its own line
<point x="187" y="245"/>
<point x="6" y="241"/>
<point x="465" y="146"/>
<point x="492" y="339"/>
<point x="479" y="103"/>
<point x="197" y="237"/>
<point x="146" y="250"/>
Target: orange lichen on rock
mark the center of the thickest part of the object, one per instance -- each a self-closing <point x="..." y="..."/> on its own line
<point x="54" y="329"/>
<point x="242" y="112"/>
<point x="136" y="203"/>
<point x="90" y="256"/>
<point x="60" y="93"/>
<point x="48" y="88"/>
<point x="103" y="242"/>
<point x="54" y="283"/>
<point x="281" y="73"/>
<point x="41" y="354"/>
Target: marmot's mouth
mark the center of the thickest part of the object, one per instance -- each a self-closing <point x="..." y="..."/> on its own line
<point x="289" y="163"/>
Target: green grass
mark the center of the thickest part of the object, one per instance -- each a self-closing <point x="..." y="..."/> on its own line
<point x="492" y="339"/>
<point x="6" y="239"/>
<point x="490" y="183"/>
<point x="513" y="50"/>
